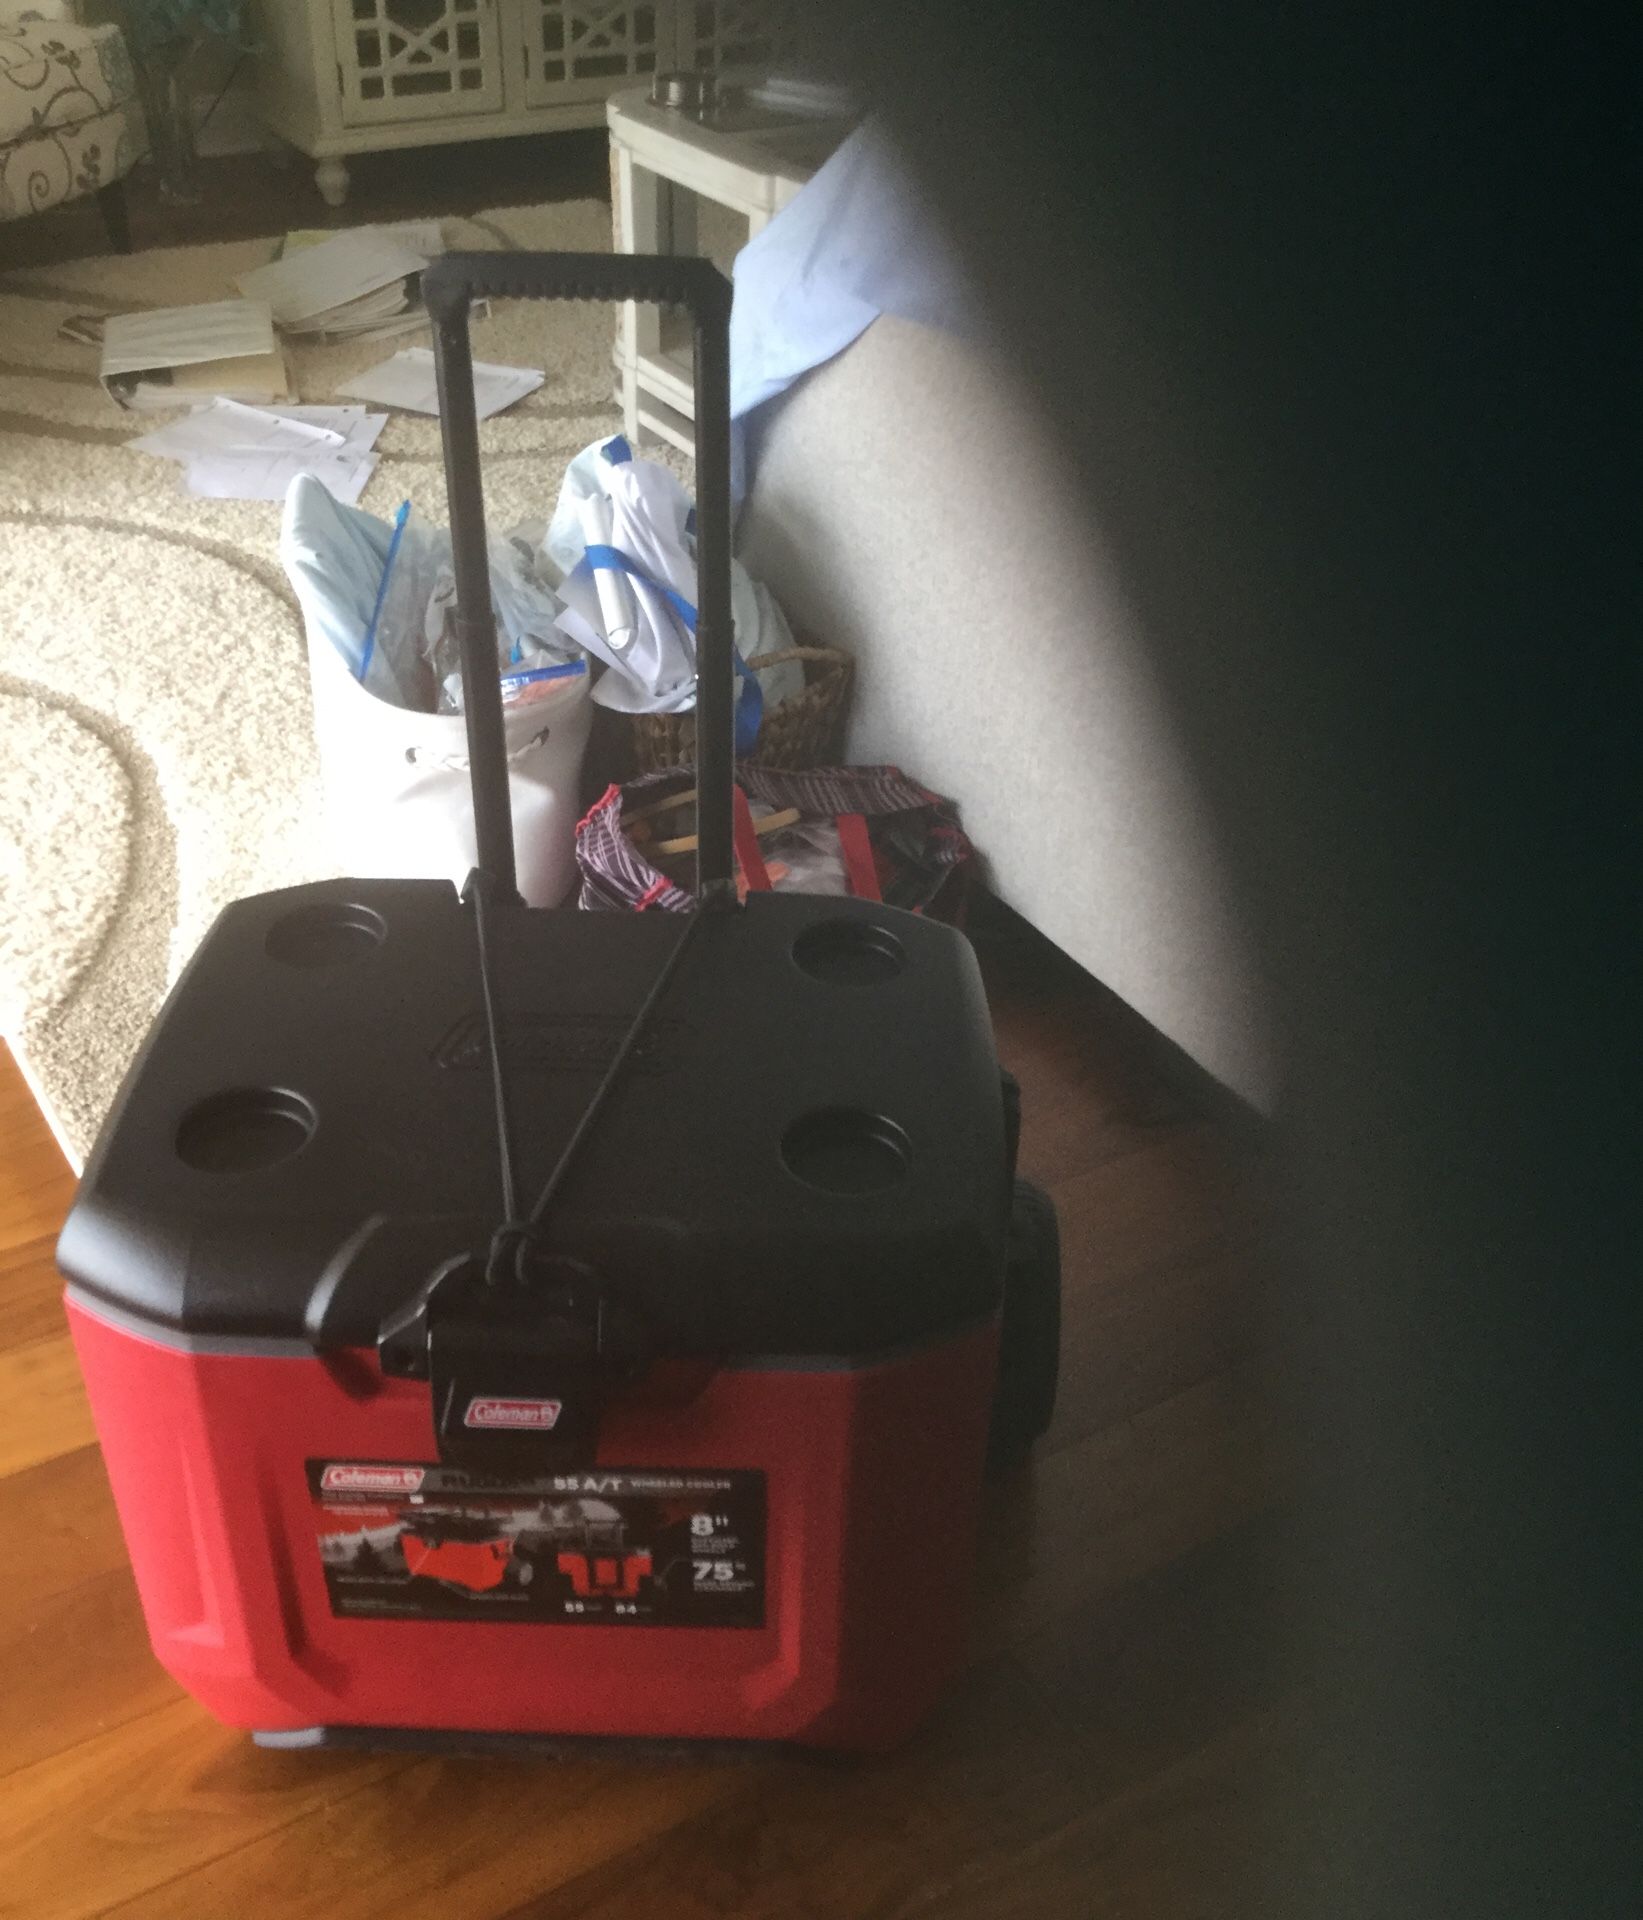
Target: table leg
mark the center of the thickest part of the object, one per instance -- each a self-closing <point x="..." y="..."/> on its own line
<point x="637" y="210"/>
<point x="111" y="202"/>
<point x="331" y="177"/>
<point x="678" y="219"/>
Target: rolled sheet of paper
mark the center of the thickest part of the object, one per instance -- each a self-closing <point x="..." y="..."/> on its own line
<point x="615" y="595"/>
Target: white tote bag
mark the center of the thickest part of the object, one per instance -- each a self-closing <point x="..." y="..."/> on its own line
<point x="396" y="782"/>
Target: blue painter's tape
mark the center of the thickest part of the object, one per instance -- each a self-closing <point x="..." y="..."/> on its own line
<point x="750" y="695"/>
<point x="400" y="518"/>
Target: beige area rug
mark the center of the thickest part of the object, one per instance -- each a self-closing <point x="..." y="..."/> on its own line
<point x="158" y="757"/>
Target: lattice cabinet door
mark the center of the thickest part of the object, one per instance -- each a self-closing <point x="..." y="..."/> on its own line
<point x="585" y="49"/>
<point x="401" y="60"/>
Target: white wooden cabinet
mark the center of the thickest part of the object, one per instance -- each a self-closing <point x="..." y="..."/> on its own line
<point x="336" y="77"/>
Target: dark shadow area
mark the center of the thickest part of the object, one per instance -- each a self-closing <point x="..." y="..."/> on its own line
<point x="1324" y="311"/>
<point x="244" y="196"/>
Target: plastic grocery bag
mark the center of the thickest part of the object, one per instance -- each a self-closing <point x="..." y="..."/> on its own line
<point x="622" y="549"/>
<point x="396" y="781"/>
<point x="530" y="648"/>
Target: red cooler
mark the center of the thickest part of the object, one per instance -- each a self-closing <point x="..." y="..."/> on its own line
<point x="688" y="1448"/>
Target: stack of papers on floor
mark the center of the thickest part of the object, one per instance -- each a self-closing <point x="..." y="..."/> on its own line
<point x="426" y="237"/>
<point x="175" y="355"/>
<point x="361" y="284"/>
<point x="407" y="380"/>
<point x="234" y="452"/>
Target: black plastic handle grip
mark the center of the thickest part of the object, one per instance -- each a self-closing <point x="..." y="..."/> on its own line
<point x="453" y="280"/>
<point x="450" y="285"/>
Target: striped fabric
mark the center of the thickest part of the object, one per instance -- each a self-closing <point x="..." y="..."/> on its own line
<point x="614" y="877"/>
<point x="918" y="843"/>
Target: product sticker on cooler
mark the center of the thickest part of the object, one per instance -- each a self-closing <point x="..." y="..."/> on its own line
<point x="605" y="1547"/>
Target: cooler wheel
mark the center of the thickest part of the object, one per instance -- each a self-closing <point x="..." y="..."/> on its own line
<point x="1029" y="1346"/>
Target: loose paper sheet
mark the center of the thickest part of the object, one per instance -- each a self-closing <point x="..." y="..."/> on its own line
<point x="360" y="430"/>
<point x="230" y="427"/>
<point x="234" y="452"/>
<point x="269" y="476"/>
<point x="407" y="380"/>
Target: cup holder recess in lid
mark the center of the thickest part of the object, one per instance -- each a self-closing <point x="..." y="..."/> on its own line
<point x="329" y="933"/>
<point x="244" y="1130"/>
<point x="844" y="1150"/>
<point x="849" y="953"/>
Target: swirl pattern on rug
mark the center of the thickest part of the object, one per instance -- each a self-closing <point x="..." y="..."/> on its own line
<point x="152" y="660"/>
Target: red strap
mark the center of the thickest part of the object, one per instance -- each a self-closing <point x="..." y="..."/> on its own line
<point x="754" y="871"/>
<point x="610" y="793"/>
<point x="858" y="856"/>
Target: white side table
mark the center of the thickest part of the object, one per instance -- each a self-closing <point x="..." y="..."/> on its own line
<point x="752" y="159"/>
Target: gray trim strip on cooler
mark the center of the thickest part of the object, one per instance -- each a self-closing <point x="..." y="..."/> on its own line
<point x="270" y="1348"/>
<point x="123" y="1321"/>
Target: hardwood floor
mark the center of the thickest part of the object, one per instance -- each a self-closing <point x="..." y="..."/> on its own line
<point x="1097" y="1758"/>
<point x="245" y="195"/>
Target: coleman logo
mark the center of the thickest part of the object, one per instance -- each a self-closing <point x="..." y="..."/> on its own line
<point x="512" y="1413"/>
<point x="371" y="1479"/>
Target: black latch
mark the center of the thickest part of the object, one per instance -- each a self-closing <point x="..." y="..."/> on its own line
<point x="519" y="1373"/>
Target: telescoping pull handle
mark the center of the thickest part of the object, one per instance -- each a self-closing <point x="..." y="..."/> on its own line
<point x="449" y="287"/>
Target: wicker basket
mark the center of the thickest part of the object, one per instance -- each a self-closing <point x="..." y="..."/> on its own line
<point x="804" y="731"/>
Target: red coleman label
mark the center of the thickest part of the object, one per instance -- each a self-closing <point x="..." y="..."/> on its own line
<point x="604" y="1547"/>
<point x="512" y="1413"/>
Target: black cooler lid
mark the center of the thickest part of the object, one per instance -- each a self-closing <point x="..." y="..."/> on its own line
<point x="805" y="1157"/>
